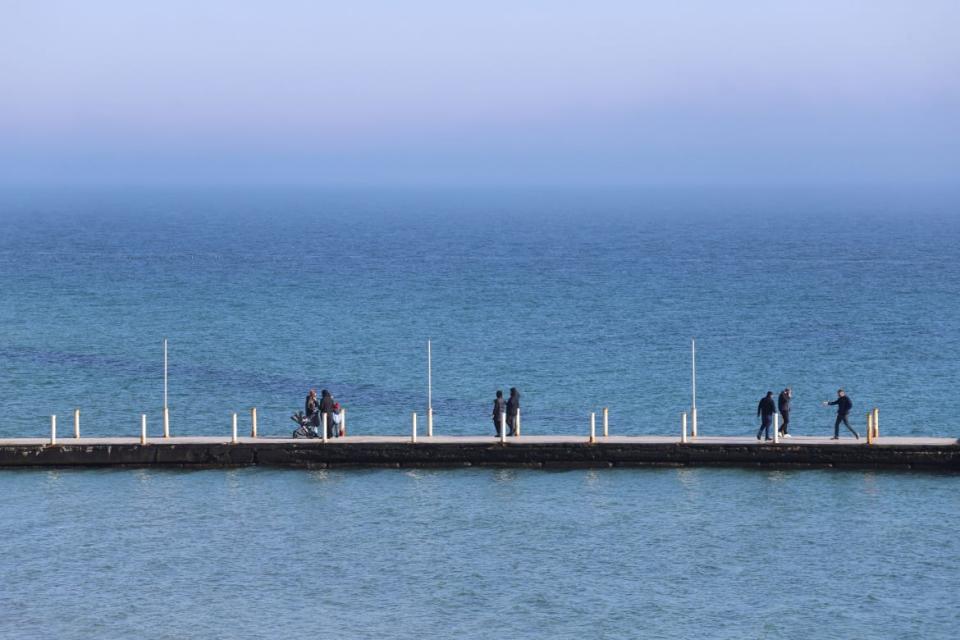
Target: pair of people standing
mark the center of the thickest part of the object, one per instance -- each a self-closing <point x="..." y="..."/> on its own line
<point x="511" y="407"/>
<point x="766" y="410"/>
<point x="315" y="409"/>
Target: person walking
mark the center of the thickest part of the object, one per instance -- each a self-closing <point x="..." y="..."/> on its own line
<point x="844" y="404"/>
<point x="783" y="404"/>
<point x="499" y="408"/>
<point x="513" y="410"/>
<point x="765" y="411"/>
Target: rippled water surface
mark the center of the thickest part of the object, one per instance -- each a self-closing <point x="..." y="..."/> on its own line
<point x="479" y="553"/>
<point x="582" y="300"/>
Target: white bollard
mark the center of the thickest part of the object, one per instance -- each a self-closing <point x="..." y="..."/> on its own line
<point x="233" y="437"/>
<point x="53" y="429"/>
<point x="76" y="423"/>
<point x="413" y="434"/>
<point x="253" y="422"/>
<point x="876" y="422"/>
<point x="606" y="422"/>
<point x="693" y="422"/>
<point x="143" y="428"/>
<point x="776" y="428"/>
<point x="430" y="423"/>
<point x="503" y="427"/>
<point x="166" y="422"/>
<point x="343" y="422"/>
<point x="593" y="428"/>
<point x="683" y="427"/>
<point x="516" y="433"/>
<point x="324" y="428"/>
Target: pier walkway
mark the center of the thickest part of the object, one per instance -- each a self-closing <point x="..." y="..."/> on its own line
<point x="459" y="451"/>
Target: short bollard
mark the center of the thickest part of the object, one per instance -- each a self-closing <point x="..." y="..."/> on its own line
<point x="430" y="422"/>
<point x="593" y="428"/>
<point x="253" y="422"/>
<point x="606" y="422"/>
<point x="53" y="429"/>
<point x="143" y="428"/>
<point x="325" y="427"/>
<point x="76" y="423"/>
<point x="516" y="432"/>
<point x="413" y="432"/>
<point x="166" y="422"/>
<point x="503" y="427"/>
<point x="343" y="422"/>
<point x="876" y="422"/>
<point x="683" y="427"/>
<point x="776" y="428"/>
<point x="233" y="435"/>
<point x="869" y="427"/>
<point x="693" y="422"/>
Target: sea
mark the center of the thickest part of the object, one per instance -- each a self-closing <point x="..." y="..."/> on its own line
<point x="582" y="299"/>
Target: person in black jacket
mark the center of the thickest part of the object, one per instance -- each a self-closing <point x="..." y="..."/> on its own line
<point x="783" y="404"/>
<point x="765" y="411"/>
<point x="326" y="407"/>
<point x="499" y="408"/>
<point x="844" y="404"/>
<point x="513" y="408"/>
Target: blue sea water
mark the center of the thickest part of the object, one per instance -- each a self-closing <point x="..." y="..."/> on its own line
<point x="582" y="299"/>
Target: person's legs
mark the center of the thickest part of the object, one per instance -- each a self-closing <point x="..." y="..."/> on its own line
<point x="496" y="426"/>
<point x="786" y="421"/>
<point x="852" y="430"/>
<point x="836" y="426"/>
<point x="765" y="427"/>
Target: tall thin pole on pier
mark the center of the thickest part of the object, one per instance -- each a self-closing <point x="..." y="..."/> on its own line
<point x="693" y="387"/>
<point x="429" y="390"/>
<point x="166" y="410"/>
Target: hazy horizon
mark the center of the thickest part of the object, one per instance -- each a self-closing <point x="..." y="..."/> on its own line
<point x="517" y="94"/>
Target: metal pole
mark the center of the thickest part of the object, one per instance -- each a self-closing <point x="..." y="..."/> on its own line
<point x="869" y="427"/>
<point x="776" y="428"/>
<point x="53" y="429"/>
<point x="683" y="427"/>
<point x="593" y="428"/>
<point x="143" y="428"/>
<point x="413" y="434"/>
<point x="253" y="422"/>
<point x="343" y="421"/>
<point x="693" y="385"/>
<point x="233" y="436"/>
<point x="606" y="422"/>
<point x="324" y="426"/>
<point x="76" y="423"/>
<point x="503" y="427"/>
<point x="516" y="432"/>
<point x="876" y="422"/>
<point x="166" y="410"/>
<point x="429" y="390"/>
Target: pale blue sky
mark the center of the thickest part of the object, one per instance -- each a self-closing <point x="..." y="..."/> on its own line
<point x="494" y="92"/>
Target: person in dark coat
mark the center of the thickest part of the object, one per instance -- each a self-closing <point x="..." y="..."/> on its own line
<point x="326" y="406"/>
<point x="765" y="411"/>
<point x="499" y="408"/>
<point x="513" y="408"/>
<point x="783" y="404"/>
<point x="844" y="404"/>
<point x="312" y="408"/>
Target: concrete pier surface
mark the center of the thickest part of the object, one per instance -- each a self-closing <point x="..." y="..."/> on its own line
<point x="461" y="451"/>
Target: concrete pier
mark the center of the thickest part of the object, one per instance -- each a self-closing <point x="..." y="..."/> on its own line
<point x="941" y="454"/>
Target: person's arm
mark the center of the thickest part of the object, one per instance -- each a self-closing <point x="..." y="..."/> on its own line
<point x="837" y="401"/>
<point x="759" y="408"/>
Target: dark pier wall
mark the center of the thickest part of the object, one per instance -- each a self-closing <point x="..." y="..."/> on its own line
<point x="423" y="454"/>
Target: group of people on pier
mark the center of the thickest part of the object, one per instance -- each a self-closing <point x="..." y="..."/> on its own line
<point x="767" y="409"/>
<point x="326" y="405"/>
<point x="506" y="412"/>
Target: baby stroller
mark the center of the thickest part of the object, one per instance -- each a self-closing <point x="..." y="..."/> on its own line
<point x="305" y="428"/>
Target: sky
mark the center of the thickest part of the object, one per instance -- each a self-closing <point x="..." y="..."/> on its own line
<point x="500" y="92"/>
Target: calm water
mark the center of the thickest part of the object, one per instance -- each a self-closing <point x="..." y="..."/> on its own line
<point x="582" y="300"/>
